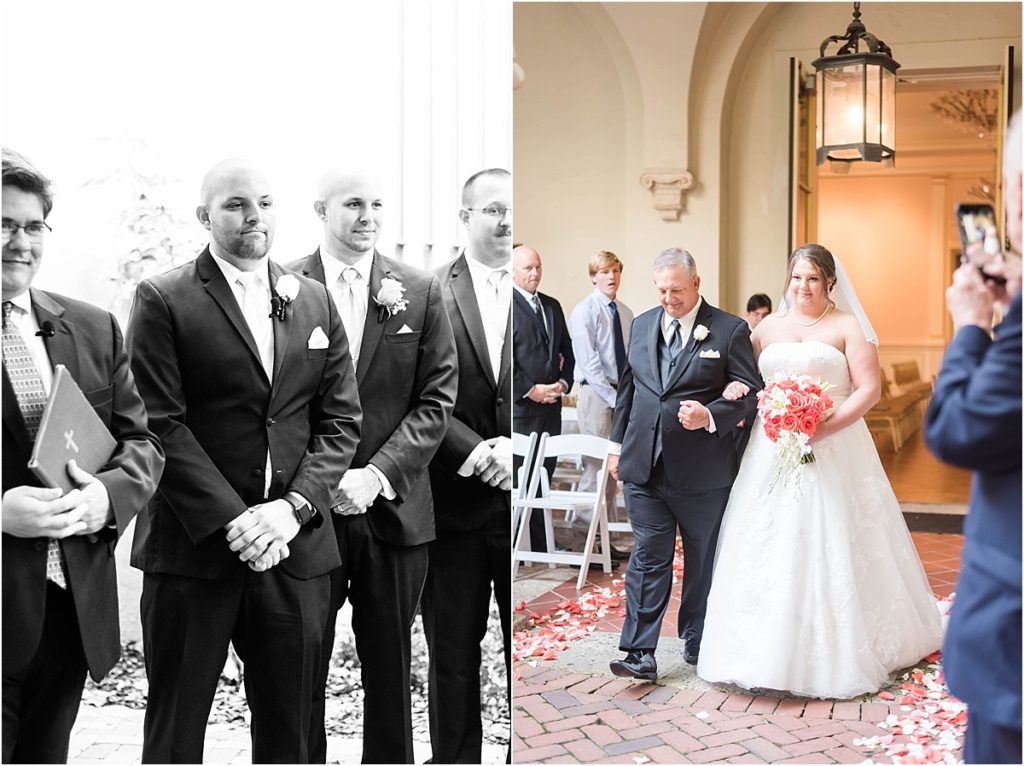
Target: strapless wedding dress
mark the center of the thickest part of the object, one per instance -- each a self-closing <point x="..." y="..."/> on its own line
<point x="820" y="591"/>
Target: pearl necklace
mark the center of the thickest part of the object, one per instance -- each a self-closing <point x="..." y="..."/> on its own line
<point x="828" y="308"/>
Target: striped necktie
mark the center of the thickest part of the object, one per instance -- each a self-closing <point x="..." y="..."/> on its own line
<point x="31" y="396"/>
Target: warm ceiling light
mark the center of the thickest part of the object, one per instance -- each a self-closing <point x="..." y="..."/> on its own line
<point x="856" y="111"/>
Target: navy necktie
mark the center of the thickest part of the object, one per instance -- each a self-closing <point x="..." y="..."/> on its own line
<point x="620" y="343"/>
<point x="539" y="311"/>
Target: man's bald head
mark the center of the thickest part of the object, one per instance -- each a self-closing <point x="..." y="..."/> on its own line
<point x="526" y="268"/>
<point x="351" y="205"/>
<point x="237" y="208"/>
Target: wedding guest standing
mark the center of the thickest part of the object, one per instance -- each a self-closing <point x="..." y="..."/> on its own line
<point x="599" y="325"/>
<point x="542" y="361"/>
<point x="404" y="353"/>
<point x="759" y="306"/>
<point x="246" y="373"/>
<point x="471" y="474"/>
<point x="60" y="611"/>
<point x="974" y="421"/>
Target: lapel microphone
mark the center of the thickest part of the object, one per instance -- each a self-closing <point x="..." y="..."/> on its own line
<point x="46" y="330"/>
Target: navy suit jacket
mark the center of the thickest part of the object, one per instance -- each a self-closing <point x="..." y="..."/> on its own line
<point x="536" y="360"/>
<point x="974" y="421"/>
<point x="216" y="412"/>
<point x="407" y="385"/>
<point x="483" y="409"/>
<point x="700" y="460"/>
<point x="88" y="342"/>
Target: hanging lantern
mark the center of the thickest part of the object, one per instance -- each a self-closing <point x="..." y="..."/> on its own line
<point x="856" y="99"/>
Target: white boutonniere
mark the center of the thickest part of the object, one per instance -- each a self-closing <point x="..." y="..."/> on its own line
<point x="389" y="297"/>
<point x="700" y="332"/>
<point x="285" y="291"/>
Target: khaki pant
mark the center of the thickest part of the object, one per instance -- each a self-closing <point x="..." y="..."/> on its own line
<point x="595" y="418"/>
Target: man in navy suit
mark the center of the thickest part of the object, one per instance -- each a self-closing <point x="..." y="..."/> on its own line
<point x="678" y="456"/>
<point x="246" y="373"/>
<point x="542" y="361"/>
<point x="383" y="516"/>
<point x="60" y="612"/>
<point x="974" y="421"/>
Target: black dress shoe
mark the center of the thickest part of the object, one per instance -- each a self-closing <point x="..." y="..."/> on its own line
<point x="598" y="566"/>
<point x="639" y="664"/>
<point x="691" y="652"/>
<point x="618" y="554"/>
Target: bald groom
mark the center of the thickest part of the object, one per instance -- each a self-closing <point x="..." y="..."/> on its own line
<point x="383" y="514"/>
<point x="246" y="374"/>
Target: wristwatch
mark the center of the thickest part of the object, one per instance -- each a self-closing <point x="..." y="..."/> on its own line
<point x="301" y="508"/>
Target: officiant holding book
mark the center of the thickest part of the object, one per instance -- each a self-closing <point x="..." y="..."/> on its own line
<point x="60" y="611"/>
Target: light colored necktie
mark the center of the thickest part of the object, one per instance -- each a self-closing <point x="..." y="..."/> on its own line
<point x="353" y="309"/>
<point x="499" y="282"/>
<point x="256" y="308"/>
<point x="31" y="396"/>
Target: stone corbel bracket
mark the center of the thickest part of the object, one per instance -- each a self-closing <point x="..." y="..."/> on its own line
<point x="669" y="187"/>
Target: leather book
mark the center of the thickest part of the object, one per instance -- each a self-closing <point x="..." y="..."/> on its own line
<point x="70" y="430"/>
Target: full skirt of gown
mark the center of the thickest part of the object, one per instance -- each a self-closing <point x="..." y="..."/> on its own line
<point x="817" y="587"/>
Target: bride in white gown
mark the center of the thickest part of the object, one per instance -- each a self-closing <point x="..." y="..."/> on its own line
<point x="817" y="587"/>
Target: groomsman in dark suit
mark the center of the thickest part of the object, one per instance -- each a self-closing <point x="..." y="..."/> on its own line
<point x="60" y="611"/>
<point x="974" y="421"/>
<point x="678" y="460"/>
<point x="404" y="353"/>
<point x="542" y="361"/>
<point x="246" y="373"/>
<point x="471" y="474"/>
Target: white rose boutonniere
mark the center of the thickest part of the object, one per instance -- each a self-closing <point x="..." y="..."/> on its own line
<point x="285" y="291"/>
<point x="389" y="297"/>
<point x="700" y="332"/>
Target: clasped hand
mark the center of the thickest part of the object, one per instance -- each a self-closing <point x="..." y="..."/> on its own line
<point x="357" y="490"/>
<point x="546" y="393"/>
<point x="494" y="466"/>
<point x="260" y="535"/>
<point x="47" y="512"/>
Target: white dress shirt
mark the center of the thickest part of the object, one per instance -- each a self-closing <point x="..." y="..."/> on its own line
<point x="24" y="318"/>
<point x="333" y="269"/>
<point x="495" y="318"/>
<point x="262" y="270"/>
<point x="593" y="343"/>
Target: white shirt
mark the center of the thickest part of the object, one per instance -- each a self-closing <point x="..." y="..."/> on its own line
<point x="231" y="274"/>
<point x="24" y="318"/>
<point x="494" y="315"/>
<point x="593" y="343"/>
<point x="333" y="269"/>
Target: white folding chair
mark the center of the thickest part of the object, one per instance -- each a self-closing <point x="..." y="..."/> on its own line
<point x="582" y="445"/>
<point x="525" y="447"/>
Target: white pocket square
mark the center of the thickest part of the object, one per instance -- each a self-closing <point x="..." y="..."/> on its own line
<point x="405" y="328"/>
<point x="317" y="339"/>
<point x="710" y="354"/>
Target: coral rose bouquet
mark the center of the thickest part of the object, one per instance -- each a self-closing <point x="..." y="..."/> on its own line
<point x="791" y="407"/>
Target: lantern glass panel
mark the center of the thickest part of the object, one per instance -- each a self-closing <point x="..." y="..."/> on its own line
<point x="888" y="108"/>
<point x="873" y="104"/>
<point x="843" y="95"/>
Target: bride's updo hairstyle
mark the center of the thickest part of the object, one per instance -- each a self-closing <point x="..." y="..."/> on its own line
<point x="820" y="258"/>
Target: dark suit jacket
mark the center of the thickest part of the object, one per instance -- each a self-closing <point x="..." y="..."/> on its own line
<point x="407" y="385"/>
<point x="536" y="360"/>
<point x="88" y="342"/>
<point x="974" y="421"/>
<point x="215" y="411"/>
<point x="483" y="410"/>
<point x="700" y="460"/>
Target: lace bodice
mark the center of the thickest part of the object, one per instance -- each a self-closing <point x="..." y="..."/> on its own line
<point x="810" y="357"/>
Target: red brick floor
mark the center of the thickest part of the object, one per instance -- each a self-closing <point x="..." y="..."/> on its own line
<point x="567" y="717"/>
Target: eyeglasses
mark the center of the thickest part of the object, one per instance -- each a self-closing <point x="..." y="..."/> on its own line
<point x="34" y="230"/>
<point x="494" y="211"/>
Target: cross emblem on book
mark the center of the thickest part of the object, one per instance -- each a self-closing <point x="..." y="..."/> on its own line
<point x="69" y="440"/>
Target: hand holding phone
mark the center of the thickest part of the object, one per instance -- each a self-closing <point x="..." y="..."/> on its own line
<point x="979" y="238"/>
